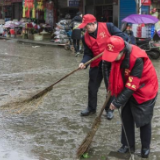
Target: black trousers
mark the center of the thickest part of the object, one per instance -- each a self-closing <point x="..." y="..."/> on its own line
<point x="128" y="122"/>
<point x="95" y="79"/>
<point x="76" y="44"/>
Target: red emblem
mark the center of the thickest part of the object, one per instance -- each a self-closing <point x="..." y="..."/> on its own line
<point x="110" y="47"/>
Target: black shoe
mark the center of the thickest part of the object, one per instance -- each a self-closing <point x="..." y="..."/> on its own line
<point x="125" y="149"/>
<point x="109" y="114"/>
<point x="87" y="112"/>
<point x="145" y="152"/>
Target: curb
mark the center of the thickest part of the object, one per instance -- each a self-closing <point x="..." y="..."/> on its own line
<point x="42" y="43"/>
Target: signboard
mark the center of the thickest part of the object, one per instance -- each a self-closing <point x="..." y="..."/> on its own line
<point x="73" y="3"/>
<point x="146" y="2"/>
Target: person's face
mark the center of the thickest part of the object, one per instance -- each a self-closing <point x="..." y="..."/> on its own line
<point x="90" y="27"/>
<point x="119" y="56"/>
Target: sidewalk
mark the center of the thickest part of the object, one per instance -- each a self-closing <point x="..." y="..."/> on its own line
<point x="44" y="42"/>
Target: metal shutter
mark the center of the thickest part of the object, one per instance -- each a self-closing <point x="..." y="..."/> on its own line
<point x="126" y="7"/>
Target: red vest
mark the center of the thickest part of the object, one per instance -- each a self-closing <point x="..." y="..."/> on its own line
<point x="146" y="87"/>
<point x="97" y="45"/>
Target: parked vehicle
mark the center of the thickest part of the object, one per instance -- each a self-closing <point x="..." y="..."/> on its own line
<point x="151" y="47"/>
<point x="144" y="35"/>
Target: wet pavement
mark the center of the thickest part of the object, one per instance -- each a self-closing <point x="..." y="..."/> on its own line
<point x="54" y="129"/>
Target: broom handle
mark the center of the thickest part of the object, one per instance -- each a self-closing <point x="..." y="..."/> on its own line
<point x="104" y="105"/>
<point x="51" y="86"/>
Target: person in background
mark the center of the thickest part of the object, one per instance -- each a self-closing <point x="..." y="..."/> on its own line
<point x="95" y="42"/>
<point x="154" y="12"/>
<point x="128" y="30"/>
<point x="76" y="32"/>
<point x="134" y="84"/>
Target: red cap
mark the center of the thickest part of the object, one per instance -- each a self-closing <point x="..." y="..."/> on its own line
<point x="115" y="44"/>
<point x="87" y="18"/>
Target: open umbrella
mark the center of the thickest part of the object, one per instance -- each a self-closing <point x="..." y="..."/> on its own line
<point x="140" y="18"/>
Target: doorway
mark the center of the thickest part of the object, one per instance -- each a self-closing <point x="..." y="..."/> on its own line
<point x="104" y="13"/>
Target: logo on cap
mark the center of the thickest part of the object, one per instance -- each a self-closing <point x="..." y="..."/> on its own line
<point x="110" y="47"/>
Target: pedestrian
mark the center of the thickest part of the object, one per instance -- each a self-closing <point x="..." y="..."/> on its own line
<point x="133" y="83"/>
<point x="95" y="42"/>
<point x="128" y="30"/>
<point x="76" y="32"/>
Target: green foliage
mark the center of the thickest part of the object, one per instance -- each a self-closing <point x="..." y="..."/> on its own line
<point x="85" y="155"/>
<point x="103" y="158"/>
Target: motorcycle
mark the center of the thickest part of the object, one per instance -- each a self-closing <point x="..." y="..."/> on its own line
<point x="150" y="46"/>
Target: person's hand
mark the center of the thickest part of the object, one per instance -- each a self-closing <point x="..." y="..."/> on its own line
<point x="82" y="66"/>
<point x="112" y="107"/>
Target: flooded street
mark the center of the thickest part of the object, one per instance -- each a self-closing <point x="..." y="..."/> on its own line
<point x="54" y="129"/>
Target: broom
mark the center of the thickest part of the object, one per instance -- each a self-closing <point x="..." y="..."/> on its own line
<point x="31" y="102"/>
<point x="88" y="139"/>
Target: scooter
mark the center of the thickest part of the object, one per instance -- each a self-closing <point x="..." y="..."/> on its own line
<point x="151" y="47"/>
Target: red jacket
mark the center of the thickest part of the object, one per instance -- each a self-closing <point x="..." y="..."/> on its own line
<point x="97" y="45"/>
<point x="146" y="87"/>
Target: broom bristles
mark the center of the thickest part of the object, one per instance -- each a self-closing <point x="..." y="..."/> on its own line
<point x="88" y="139"/>
<point x="23" y="104"/>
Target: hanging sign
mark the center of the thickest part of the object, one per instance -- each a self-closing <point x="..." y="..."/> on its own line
<point x="146" y="2"/>
<point x="29" y="4"/>
<point x="40" y="4"/>
<point x="73" y="3"/>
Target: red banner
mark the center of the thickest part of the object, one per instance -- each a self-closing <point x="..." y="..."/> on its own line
<point x="146" y="2"/>
<point x="29" y="4"/>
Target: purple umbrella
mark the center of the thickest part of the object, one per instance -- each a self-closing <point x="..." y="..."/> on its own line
<point x="140" y="18"/>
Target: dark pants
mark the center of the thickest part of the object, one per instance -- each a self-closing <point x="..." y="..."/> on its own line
<point x="76" y="44"/>
<point x="128" y="122"/>
<point x="95" y="79"/>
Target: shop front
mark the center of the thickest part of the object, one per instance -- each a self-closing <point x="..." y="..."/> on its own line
<point x="104" y="10"/>
<point x="17" y="9"/>
<point x="6" y="9"/>
<point x="68" y="8"/>
<point x="145" y="6"/>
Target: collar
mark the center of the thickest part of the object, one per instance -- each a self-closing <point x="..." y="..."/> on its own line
<point x="125" y="63"/>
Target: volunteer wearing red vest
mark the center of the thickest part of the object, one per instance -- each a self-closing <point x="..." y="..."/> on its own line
<point x="134" y="84"/>
<point x="94" y="42"/>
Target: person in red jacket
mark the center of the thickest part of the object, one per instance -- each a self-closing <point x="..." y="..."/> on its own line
<point x="134" y="84"/>
<point x="94" y="42"/>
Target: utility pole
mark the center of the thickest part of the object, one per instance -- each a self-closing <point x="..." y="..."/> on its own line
<point x="138" y="4"/>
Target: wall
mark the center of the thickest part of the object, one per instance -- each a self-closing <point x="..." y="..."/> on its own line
<point x="115" y="15"/>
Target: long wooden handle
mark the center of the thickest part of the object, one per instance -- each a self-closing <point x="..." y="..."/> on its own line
<point x="104" y="105"/>
<point x="51" y="86"/>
